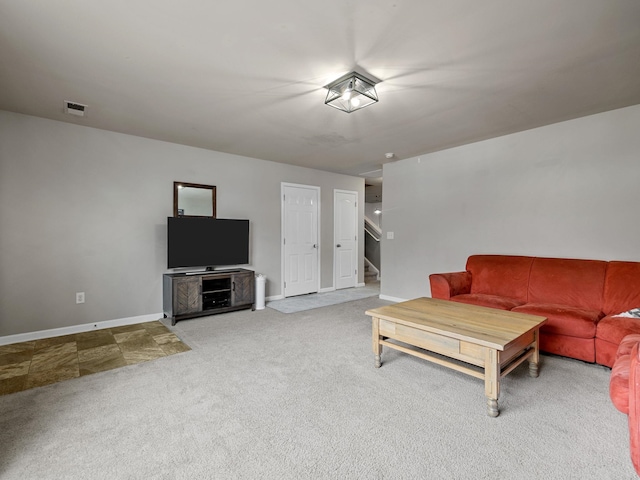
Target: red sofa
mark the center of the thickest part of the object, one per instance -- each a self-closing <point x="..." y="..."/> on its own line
<point x="624" y="389"/>
<point x="580" y="298"/>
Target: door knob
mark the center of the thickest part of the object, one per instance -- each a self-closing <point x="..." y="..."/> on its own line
<point x="338" y="245"/>
<point x="315" y="245"/>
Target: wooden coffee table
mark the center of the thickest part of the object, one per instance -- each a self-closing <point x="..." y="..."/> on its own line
<point x="485" y="343"/>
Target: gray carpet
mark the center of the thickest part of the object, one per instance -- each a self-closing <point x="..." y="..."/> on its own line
<point x="274" y="396"/>
<point x="301" y="303"/>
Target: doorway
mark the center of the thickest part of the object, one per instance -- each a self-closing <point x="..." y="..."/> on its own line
<point x="300" y="233"/>
<point x="345" y="252"/>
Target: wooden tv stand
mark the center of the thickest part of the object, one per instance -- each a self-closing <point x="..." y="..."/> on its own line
<point x="190" y="295"/>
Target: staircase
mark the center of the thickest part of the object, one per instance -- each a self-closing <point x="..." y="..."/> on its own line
<point x="371" y="251"/>
<point x="369" y="274"/>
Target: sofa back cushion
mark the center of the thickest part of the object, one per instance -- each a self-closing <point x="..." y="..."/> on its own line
<point x="621" y="287"/>
<point x="503" y="275"/>
<point x="563" y="281"/>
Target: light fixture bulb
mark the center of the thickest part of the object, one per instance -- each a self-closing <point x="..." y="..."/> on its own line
<point x="377" y="211"/>
<point x="351" y="92"/>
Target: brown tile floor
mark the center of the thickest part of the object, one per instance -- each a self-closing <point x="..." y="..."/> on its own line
<point x="41" y="362"/>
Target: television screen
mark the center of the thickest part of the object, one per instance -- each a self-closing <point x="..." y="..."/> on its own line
<point x="207" y="242"/>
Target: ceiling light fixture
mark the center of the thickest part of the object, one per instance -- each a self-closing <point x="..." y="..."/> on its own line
<point x="351" y="92"/>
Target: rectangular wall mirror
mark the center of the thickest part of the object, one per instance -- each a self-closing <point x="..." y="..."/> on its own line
<point x="194" y="200"/>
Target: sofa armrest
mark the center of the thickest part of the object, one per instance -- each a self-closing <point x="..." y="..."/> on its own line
<point x="634" y="407"/>
<point x="447" y="285"/>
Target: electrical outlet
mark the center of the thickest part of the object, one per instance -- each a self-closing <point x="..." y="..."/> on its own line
<point x="389" y="235"/>
<point x="79" y="297"/>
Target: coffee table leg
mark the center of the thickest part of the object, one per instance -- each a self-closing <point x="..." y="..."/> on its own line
<point x="377" y="348"/>
<point x="535" y="358"/>
<point x="492" y="407"/>
<point x="492" y="381"/>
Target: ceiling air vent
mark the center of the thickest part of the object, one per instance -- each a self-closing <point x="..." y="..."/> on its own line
<point x="73" y="108"/>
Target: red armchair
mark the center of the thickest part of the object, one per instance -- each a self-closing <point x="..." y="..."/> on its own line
<point x="624" y="390"/>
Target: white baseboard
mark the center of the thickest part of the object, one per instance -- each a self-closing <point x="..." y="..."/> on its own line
<point x="392" y="299"/>
<point x="274" y="297"/>
<point x="57" y="332"/>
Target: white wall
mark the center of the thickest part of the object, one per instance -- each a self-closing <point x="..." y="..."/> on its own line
<point x="564" y="190"/>
<point x="369" y="209"/>
<point x="83" y="209"/>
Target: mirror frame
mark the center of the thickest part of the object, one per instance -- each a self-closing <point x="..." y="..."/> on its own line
<point x="193" y="185"/>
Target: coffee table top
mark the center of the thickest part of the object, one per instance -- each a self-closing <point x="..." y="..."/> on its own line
<point x="481" y="325"/>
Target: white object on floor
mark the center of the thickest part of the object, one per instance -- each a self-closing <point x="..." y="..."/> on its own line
<point x="261" y="280"/>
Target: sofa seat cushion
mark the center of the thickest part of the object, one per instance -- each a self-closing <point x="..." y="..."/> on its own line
<point x="564" y="320"/>
<point x="568" y="346"/>
<point x="619" y="383"/>
<point x="614" y="329"/>
<point x="484" y="300"/>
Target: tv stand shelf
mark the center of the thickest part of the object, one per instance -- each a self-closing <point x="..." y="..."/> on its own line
<point x="190" y="295"/>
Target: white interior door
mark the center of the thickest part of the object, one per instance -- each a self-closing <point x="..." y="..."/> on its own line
<point x="345" y="218"/>
<point x="300" y="239"/>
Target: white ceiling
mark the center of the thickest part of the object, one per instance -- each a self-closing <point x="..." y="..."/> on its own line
<point x="247" y="76"/>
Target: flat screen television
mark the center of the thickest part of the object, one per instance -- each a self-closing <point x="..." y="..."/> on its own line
<point x="207" y="242"/>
